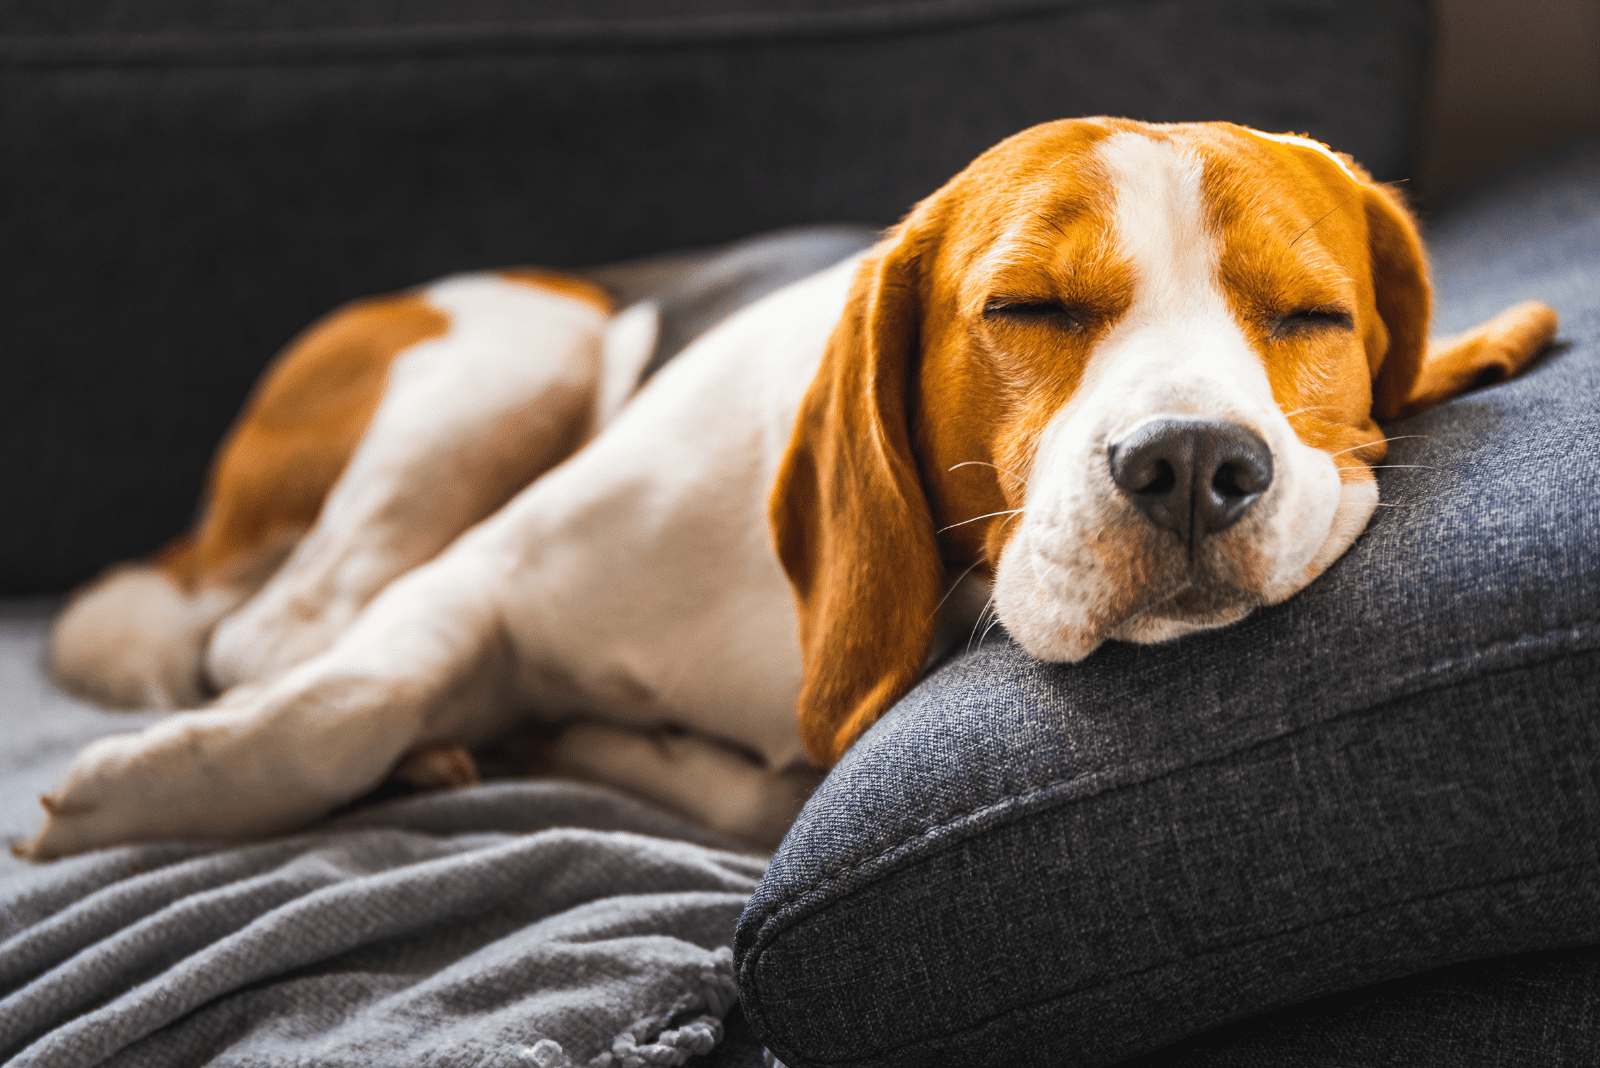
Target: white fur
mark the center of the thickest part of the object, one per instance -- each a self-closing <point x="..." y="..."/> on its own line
<point x="647" y="586"/>
<point x="630" y="341"/>
<point x="135" y="640"/>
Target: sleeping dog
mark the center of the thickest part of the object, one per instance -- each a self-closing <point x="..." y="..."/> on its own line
<point x="1112" y="381"/>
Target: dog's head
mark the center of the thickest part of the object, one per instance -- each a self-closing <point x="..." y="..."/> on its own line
<point x="1130" y="372"/>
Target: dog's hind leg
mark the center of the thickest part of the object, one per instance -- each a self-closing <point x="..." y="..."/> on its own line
<point x="384" y="431"/>
<point x="136" y="637"/>
<point x="713" y="784"/>
<point x="505" y="391"/>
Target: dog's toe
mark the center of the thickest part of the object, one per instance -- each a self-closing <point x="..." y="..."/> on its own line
<point x="437" y="766"/>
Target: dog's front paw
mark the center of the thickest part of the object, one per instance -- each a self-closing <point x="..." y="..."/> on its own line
<point x="110" y="795"/>
<point x="192" y="777"/>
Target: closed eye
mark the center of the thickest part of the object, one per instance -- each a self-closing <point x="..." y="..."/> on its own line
<point x="1311" y="320"/>
<point x="1045" y="312"/>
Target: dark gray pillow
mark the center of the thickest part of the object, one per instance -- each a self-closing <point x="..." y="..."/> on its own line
<point x="185" y="184"/>
<point x="1394" y="771"/>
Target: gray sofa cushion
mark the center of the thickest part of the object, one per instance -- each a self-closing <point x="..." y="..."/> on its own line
<point x="1041" y="864"/>
<point x="185" y="185"/>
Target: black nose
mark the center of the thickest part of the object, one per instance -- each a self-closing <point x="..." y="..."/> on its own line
<point x="1192" y="476"/>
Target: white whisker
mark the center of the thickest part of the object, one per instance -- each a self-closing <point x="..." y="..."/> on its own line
<point x="1307" y="408"/>
<point x="1369" y="444"/>
<point x="987" y="607"/>
<point x="985" y="463"/>
<point x="974" y="519"/>
<point x="961" y="578"/>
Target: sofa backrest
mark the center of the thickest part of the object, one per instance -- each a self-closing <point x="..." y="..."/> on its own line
<point x="184" y="186"/>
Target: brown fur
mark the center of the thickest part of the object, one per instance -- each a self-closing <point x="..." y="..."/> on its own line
<point x="295" y="436"/>
<point x="565" y="284"/>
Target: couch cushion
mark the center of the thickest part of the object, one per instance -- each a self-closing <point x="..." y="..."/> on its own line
<point x="185" y="185"/>
<point x="1027" y="863"/>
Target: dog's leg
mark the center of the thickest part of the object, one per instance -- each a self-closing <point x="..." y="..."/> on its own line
<point x="136" y="636"/>
<point x="423" y="664"/>
<point x="467" y="419"/>
<point x="710" y="783"/>
<point x="479" y="383"/>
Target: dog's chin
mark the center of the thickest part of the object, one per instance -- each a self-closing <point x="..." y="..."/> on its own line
<point x="1162" y="618"/>
<point x="1187" y="612"/>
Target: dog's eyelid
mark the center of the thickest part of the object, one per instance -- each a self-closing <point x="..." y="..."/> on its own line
<point x="1033" y="309"/>
<point x="1304" y="320"/>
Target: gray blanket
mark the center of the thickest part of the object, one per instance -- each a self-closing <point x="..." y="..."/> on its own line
<point x="518" y="923"/>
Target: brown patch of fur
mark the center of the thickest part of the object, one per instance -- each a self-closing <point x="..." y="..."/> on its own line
<point x="294" y="438"/>
<point x="565" y="284"/>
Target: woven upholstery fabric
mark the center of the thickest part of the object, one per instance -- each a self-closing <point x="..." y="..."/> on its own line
<point x="1539" y="1010"/>
<point x="1394" y="771"/>
<point x="187" y="185"/>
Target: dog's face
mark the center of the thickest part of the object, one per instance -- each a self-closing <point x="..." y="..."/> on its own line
<point x="1163" y="342"/>
<point x="1127" y="372"/>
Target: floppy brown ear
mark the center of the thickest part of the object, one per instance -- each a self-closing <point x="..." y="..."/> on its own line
<point x="1412" y="375"/>
<point x="852" y="525"/>
<point x="1404" y="299"/>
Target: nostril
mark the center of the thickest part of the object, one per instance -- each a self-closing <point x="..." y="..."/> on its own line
<point x="1226" y="482"/>
<point x="1162" y="480"/>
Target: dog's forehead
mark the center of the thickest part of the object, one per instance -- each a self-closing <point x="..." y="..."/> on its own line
<point x="1047" y="177"/>
<point x="1046" y="195"/>
<point x="1258" y="180"/>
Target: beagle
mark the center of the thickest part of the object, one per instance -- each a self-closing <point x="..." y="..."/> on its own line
<point x="1121" y="381"/>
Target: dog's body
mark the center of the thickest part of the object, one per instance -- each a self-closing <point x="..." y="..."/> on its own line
<point x="1123" y="376"/>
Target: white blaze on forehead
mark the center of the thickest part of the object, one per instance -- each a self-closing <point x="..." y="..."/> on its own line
<point x="1160" y="223"/>
<point x="1179" y="319"/>
<point x="1306" y="142"/>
